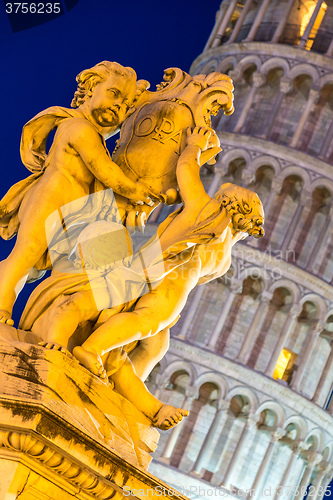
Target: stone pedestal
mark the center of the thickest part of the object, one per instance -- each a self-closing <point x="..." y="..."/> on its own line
<point x="66" y="434"/>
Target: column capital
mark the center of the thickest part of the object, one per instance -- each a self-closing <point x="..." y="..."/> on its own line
<point x="248" y="176"/>
<point x="276" y="185"/>
<point x="236" y="286"/>
<point x="319" y="327"/>
<point x="265" y="297"/>
<point x="314" y="94"/>
<point x="313" y="458"/>
<point x="252" y="420"/>
<point x="235" y="75"/>
<point x="191" y="392"/>
<point x="222" y="405"/>
<point x="277" y="434"/>
<point x="258" y="79"/>
<point x="305" y="198"/>
<point x="324" y="467"/>
<point x="298" y="446"/>
<point x="295" y="310"/>
<point x="285" y="85"/>
<point x="161" y="382"/>
<point x="220" y="168"/>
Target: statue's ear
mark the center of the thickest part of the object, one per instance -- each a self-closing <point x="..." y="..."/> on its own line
<point x="141" y="86"/>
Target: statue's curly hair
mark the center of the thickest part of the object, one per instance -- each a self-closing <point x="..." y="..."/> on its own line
<point x="244" y="207"/>
<point x="89" y="78"/>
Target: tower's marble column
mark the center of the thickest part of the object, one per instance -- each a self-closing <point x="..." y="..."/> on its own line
<point x="275" y="436"/>
<point x="283" y="21"/>
<point x="318" y="484"/>
<point x="309" y="27"/>
<point x="240" y="20"/>
<point x="321" y="384"/>
<point x="296" y="448"/>
<point x="306" y="357"/>
<point x="257" y="22"/>
<point x="205" y="449"/>
<point x="274" y="191"/>
<point x="305" y="201"/>
<point x="235" y="287"/>
<point x="285" y="86"/>
<point x="286" y="330"/>
<point x="313" y="460"/>
<point x="330" y="49"/>
<point x="191" y="312"/>
<point x="224" y="23"/>
<point x="160" y="384"/>
<point x="258" y="80"/>
<point x="321" y="240"/>
<point x="327" y="142"/>
<point x="257" y="320"/>
<point x="330" y="406"/>
<point x="219" y="17"/>
<point x="251" y="422"/>
<point x="326" y="481"/>
<point x="313" y="97"/>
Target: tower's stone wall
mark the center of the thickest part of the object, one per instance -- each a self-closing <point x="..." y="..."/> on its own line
<point x="252" y="355"/>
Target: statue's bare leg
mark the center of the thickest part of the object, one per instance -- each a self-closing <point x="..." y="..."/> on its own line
<point x="31" y="241"/>
<point x="129" y="385"/>
<point x="61" y="320"/>
<point x="154" y="312"/>
<point x="149" y="352"/>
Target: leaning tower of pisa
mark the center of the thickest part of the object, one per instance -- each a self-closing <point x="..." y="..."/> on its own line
<point x="252" y="355"/>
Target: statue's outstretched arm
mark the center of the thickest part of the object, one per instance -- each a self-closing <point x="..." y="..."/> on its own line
<point x="88" y="143"/>
<point x="191" y="188"/>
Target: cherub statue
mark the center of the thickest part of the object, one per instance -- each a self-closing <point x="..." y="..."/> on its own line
<point x="77" y="164"/>
<point x="196" y="243"/>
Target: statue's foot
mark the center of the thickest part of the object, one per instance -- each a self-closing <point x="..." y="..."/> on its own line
<point x="91" y="360"/>
<point x="6" y="317"/>
<point x="56" y="347"/>
<point x="168" y="416"/>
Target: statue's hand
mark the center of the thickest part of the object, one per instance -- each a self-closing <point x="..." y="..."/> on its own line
<point x="142" y="195"/>
<point x="207" y="140"/>
<point x="199" y="137"/>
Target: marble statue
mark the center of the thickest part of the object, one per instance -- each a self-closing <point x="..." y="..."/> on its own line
<point x="196" y="243"/>
<point x="79" y="163"/>
<point x="114" y="315"/>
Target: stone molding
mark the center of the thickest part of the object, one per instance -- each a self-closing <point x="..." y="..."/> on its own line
<point x="27" y="448"/>
<point x="72" y="475"/>
<point x="286" y="156"/>
<point x="289" y="271"/>
<point x="258" y="382"/>
<point x="267" y="49"/>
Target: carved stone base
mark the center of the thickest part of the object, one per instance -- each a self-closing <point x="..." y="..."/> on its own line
<point x="64" y="433"/>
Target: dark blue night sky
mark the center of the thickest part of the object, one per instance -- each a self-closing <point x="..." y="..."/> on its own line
<point x="39" y="65"/>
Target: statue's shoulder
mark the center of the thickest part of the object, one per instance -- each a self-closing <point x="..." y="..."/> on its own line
<point x="78" y="128"/>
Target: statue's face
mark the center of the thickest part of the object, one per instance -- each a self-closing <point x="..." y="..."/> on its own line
<point x="111" y="99"/>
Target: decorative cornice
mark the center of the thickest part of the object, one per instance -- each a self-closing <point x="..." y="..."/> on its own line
<point x="48" y="460"/>
<point x="266" y="49"/>
<point x="285" y="155"/>
<point x="258" y="382"/>
<point x="78" y="475"/>
<point x="290" y="271"/>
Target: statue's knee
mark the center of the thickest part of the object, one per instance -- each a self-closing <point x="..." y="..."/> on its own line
<point x="33" y="248"/>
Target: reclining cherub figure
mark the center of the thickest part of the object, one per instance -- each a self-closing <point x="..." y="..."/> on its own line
<point x="196" y="243"/>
